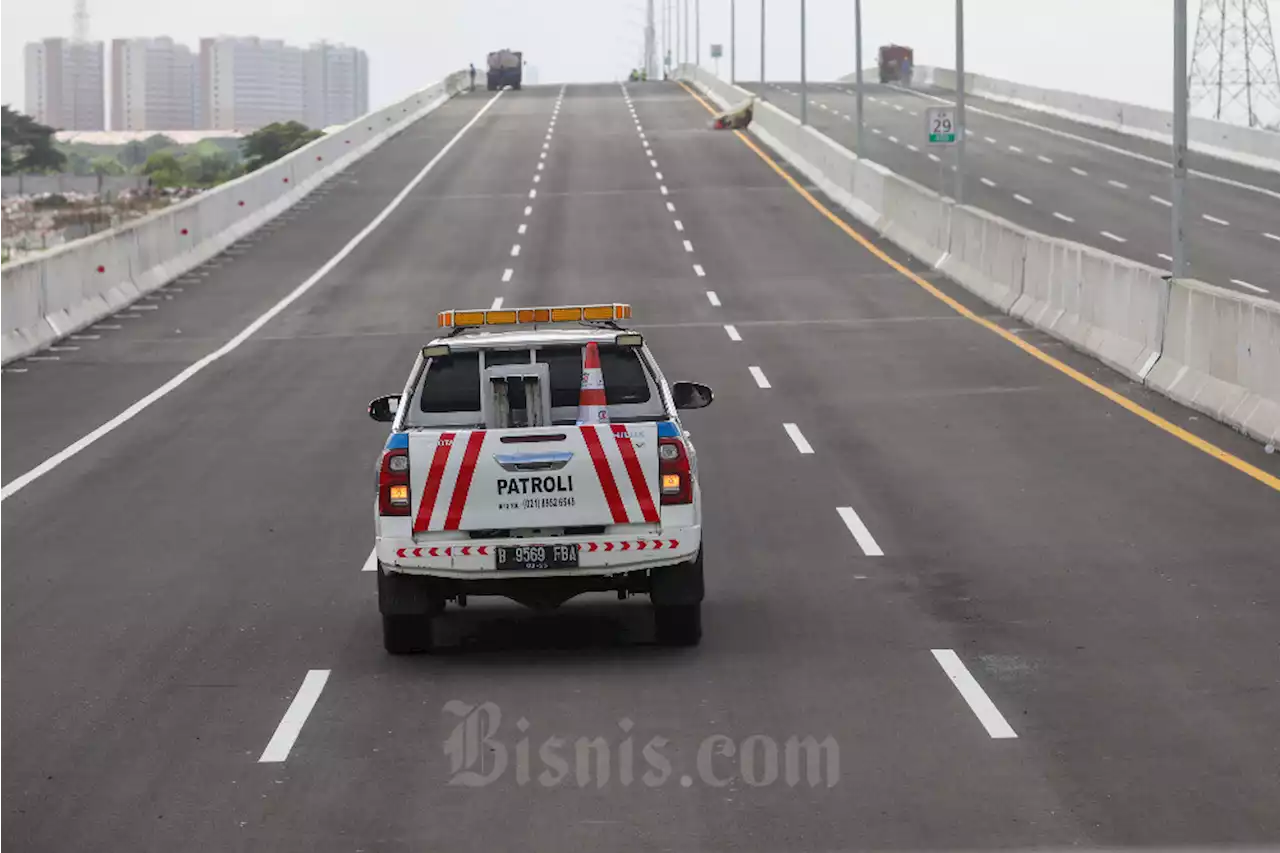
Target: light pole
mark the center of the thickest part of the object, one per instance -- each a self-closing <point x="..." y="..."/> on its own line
<point x="1179" y="134"/>
<point x="762" y="4"/>
<point x="733" y="41"/>
<point x="857" y="53"/>
<point x="697" y="32"/>
<point x="960" y="122"/>
<point x="686" y="30"/>
<point x="804" y="82"/>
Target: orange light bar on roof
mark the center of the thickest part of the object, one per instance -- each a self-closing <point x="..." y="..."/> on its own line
<point x="608" y="312"/>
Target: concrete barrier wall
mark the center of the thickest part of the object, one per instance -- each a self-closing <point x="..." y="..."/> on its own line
<point x="47" y="297"/>
<point x="17" y="185"/>
<point x="1209" y="348"/>
<point x="1251" y="146"/>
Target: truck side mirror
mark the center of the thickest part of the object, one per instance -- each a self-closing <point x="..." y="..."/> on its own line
<point x="383" y="409"/>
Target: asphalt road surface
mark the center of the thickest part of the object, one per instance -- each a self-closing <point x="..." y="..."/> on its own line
<point x="1101" y="188"/>
<point x="1021" y="614"/>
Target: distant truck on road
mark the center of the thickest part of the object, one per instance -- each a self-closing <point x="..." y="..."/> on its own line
<point x="506" y="68"/>
<point x="895" y="63"/>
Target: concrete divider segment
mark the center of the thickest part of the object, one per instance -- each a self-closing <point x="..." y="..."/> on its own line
<point x="60" y="292"/>
<point x="1209" y="348"/>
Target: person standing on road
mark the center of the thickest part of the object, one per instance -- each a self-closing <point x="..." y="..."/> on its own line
<point x="473" y="76"/>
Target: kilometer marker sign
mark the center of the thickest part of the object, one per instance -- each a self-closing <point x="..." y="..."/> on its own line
<point x="940" y="125"/>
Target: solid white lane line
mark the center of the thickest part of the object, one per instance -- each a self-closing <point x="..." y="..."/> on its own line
<point x="524" y="226"/>
<point x="1081" y="172"/>
<point x="732" y="332"/>
<point x="294" y="717"/>
<point x="1043" y="159"/>
<point x="1252" y="287"/>
<point x="697" y="268"/>
<point x="758" y="375"/>
<point x="515" y="250"/>
<point x="981" y="705"/>
<point x="528" y="209"/>
<point x="798" y="438"/>
<point x="679" y="225"/>
<point x="20" y="482"/>
<point x="497" y="303"/>
<point x="1015" y="149"/>
<point x="1111" y="236"/>
<point x="1159" y="200"/>
<point x="1120" y="185"/>
<point x="1215" y="220"/>
<point x="507" y="273"/>
<point x="1063" y="217"/>
<point x="1022" y="198"/>
<point x="671" y="208"/>
<point x="987" y="182"/>
<point x="861" y="534"/>
<point x="688" y="247"/>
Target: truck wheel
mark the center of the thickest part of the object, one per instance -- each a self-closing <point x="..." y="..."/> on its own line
<point x="406" y="635"/>
<point x="678" y="624"/>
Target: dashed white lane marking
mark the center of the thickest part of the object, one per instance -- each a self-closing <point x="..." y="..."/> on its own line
<point x="987" y="182"/>
<point x="1015" y="149"/>
<point x="507" y="273"/>
<point x="294" y="717"/>
<point x="898" y="107"/>
<point x="1111" y="236"/>
<point x="1044" y="159"/>
<point x="1159" y="200"/>
<point x="86" y="337"/>
<point x="758" y="375"/>
<point x="911" y="147"/>
<point x="1271" y="236"/>
<point x="1165" y="257"/>
<point x="1081" y="172"/>
<point x="537" y="178"/>
<point x="533" y="193"/>
<point x="679" y="225"/>
<point x="876" y="131"/>
<point x="125" y="316"/>
<point x="732" y="332"/>
<point x="701" y="273"/>
<point x="106" y="326"/>
<point x="913" y="112"/>
<point x="861" y="534"/>
<point x="543" y="155"/>
<point x="524" y="226"/>
<point x="497" y="303"/>
<point x="688" y="247"/>
<point x="713" y="299"/>
<point x="662" y="190"/>
<point x="1022" y="198"/>
<point x="145" y="307"/>
<point x="1252" y="287"/>
<point x="515" y="250"/>
<point x="1120" y="185"/>
<point x="935" y="158"/>
<point x="653" y="163"/>
<point x="15" y="370"/>
<point x="541" y="166"/>
<point x="64" y="349"/>
<point x="990" y="140"/>
<point x="893" y="139"/>
<point x="528" y="209"/>
<point x="798" y="438"/>
<point x="671" y="208"/>
<point x="546" y="145"/>
<point x="43" y="358"/>
<point x="658" y="175"/>
<point x="1215" y="220"/>
<point x="1063" y="217"/>
<point x="981" y="705"/>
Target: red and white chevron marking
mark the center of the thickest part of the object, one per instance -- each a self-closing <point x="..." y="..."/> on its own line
<point x="613" y="545"/>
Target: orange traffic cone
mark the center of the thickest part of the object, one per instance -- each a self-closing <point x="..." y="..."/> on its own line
<point x="592" y="408"/>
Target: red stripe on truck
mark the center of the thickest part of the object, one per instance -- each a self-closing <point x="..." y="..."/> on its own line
<point x="432" y="488"/>
<point x="465" y="474"/>
<point x="607" y="484"/>
<point x="636" y="473"/>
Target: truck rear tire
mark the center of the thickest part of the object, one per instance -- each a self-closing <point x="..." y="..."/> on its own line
<point x="406" y="635"/>
<point x="678" y="624"/>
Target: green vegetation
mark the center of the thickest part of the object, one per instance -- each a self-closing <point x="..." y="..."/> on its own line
<point x="270" y="143"/>
<point x="28" y="145"/>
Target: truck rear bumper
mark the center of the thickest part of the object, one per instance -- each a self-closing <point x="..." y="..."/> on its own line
<point x="602" y="555"/>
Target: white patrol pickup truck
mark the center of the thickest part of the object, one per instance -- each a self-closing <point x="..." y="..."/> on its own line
<point x="496" y="481"/>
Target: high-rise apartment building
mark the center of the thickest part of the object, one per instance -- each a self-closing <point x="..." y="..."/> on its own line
<point x="153" y="85"/>
<point x="336" y="84"/>
<point x="248" y="82"/>
<point x="65" y="84"/>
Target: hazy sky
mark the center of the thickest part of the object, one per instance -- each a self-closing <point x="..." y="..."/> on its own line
<point x="1115" y="48"/>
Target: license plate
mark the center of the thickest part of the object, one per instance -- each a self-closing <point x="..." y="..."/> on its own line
<point x="532" y="558"/>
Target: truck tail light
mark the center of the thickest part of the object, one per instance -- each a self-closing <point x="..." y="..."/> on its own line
<point x="673" y="466"/>
<point x="393" y="483"/>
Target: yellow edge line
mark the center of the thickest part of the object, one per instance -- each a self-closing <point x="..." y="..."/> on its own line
<point x="1032" y="350"/>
